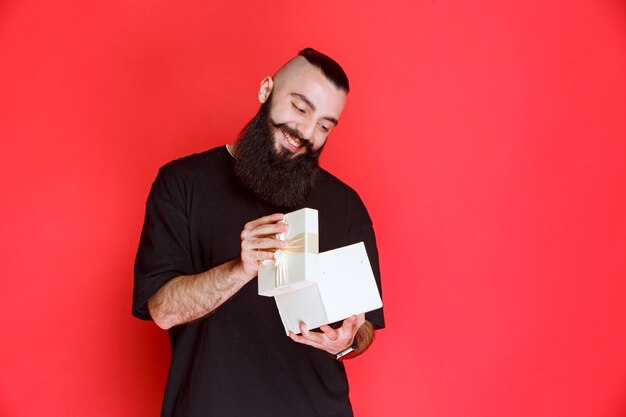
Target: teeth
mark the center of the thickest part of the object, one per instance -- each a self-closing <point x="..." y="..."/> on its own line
<point x="293" y="141"/>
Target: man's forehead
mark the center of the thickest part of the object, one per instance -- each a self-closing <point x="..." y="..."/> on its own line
<point x="298" y="72"/>
<point x="292" y="70"/>
<point x="299" y="78"/>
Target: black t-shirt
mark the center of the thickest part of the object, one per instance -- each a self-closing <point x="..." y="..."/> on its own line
<point x="238" y="361"/>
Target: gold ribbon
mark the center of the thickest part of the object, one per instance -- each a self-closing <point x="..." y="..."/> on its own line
<point x="300" y="243"/>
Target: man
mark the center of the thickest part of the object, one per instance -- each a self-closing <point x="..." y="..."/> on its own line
<point x="212" y="217"/>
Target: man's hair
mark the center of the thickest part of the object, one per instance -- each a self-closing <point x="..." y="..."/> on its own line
<point x="329" y="67"/>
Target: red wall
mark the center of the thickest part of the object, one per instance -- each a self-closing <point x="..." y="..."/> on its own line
<point x="487" y="138"/>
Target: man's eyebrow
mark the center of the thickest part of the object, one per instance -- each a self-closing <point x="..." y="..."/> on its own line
<point x="312" y="106"/>
<point x="332" y="120"/>
<point x="305" y="99"/>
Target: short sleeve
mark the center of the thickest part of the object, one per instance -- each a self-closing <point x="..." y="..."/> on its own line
<point x="163" y="251"/>
<point x="362" y="230"/>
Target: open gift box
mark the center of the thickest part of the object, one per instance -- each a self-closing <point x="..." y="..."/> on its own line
<point x="314" y="288"/>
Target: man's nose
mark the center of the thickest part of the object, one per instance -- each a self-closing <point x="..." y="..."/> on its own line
<point x="305" y="130"/>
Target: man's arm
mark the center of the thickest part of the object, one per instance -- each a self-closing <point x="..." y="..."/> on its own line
<point x="365" y="337"/>
<point x="190" y="297"/>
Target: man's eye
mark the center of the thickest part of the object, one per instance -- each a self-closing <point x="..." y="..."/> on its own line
<point x="325" y="128"/>
<point x="298" y="109"/>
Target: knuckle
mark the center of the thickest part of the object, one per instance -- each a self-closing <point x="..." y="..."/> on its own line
<point x="261" y="230"/>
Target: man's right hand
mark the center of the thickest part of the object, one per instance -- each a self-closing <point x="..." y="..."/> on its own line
<point x="258" y="242"/>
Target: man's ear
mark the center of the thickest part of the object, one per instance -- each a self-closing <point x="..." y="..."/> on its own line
<point x="267" y="84"/>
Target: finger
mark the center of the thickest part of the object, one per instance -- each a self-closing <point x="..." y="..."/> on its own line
<point x="330" y="333"/>
<point x="306" y="339"/>
<point x="257" y="256"/>
<point x="272" y="218"/>
<point x="348" y="325"/>
<point x="304" y="330"/>
<point x="350" y="321"/>
<point x="360" y="320"/>
<point x="263" y="243"/>
<point x="271" y="229"/>
<point x="301" y="339"/>
<point x="311" y="336"/>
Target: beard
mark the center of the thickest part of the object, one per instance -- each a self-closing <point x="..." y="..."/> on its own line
<point x="278" y="177"/>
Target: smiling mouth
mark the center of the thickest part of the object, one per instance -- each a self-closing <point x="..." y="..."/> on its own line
<point x="294" y="142"/>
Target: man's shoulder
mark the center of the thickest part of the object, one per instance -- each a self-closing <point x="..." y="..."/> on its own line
<point x="328" y="183"/>
<point x="204" y="160"/>
<point x="183" y="174"/>
<point x="196" y="165"/>
<point x="336" y="194"/>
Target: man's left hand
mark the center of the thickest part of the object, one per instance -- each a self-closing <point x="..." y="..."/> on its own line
<point x="331" y="340"/>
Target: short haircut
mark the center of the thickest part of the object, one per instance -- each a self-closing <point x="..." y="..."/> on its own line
<point x="329" y="67"/>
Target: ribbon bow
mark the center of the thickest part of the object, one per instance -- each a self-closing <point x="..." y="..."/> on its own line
<point x="300" y="243"/>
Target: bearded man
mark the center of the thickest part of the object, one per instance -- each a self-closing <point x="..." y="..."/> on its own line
<point x="211" y="218"/>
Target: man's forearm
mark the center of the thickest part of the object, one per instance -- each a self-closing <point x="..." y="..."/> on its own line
<point x="365" y="337"/>
<point x="188" y="298"/>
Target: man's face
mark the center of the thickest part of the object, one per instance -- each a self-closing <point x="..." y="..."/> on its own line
<point x="277" y="152"/>
<point x="305" y="107"/>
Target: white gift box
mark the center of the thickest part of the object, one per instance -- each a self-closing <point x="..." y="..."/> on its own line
<point x="345" y="286"/>
<point x="296" y="266"/>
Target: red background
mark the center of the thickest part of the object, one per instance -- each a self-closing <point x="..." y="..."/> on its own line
<point x="487" y="139"/>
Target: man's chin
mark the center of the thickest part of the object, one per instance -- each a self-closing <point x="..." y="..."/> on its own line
<point x="287" y="153"/>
